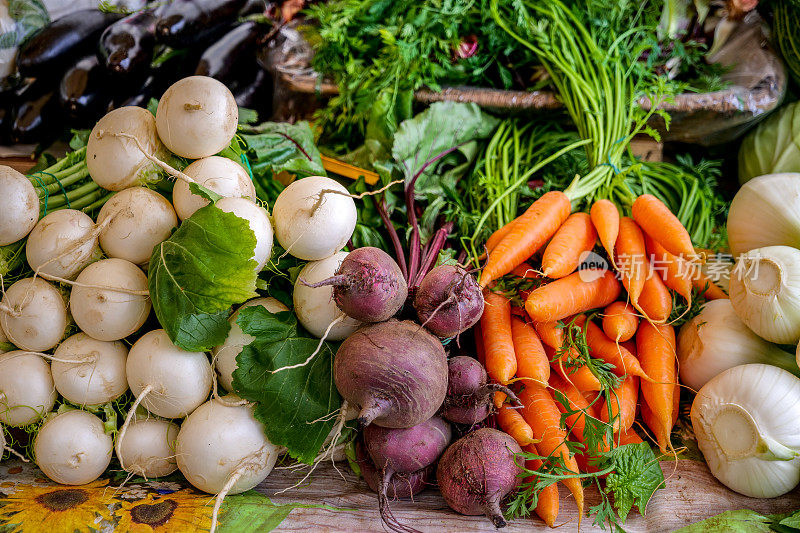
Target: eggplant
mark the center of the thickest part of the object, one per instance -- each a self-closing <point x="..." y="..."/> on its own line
<point x="187" y="22"/>
<point x="175" y="67"/>
<point x="57" y="46"/>
<point x="253" y="7"/>
<point x="126" y="47"/>
<point x="257" y="95"/>
<point x="85" y="91"/>
<point x="37" y="117"/>
<point x="226" y="57"/>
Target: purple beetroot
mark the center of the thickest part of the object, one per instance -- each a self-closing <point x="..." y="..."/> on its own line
<point x="469" y="395"/>
<point x="394" y="372"/>
<point x="400" y="486"/>
<point x="448" y="301"/>
<point x="368" y="285"/>
<point x="477" y="472"/>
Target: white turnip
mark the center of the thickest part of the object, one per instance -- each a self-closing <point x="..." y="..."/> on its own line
<point x="4" y="342"/>
<point x="115" y="162"/>
<point x="72" y="448"/>
<point x="89" y="372"/>
<point x="197" y="117"/>
<point x="368" y="285"/>
<point x="315" y="308"/>
<point x="26" y="388"/>
<point x="224" y="355"/>
<point x="110" y="299"/>
<point x="477" y="471"/>
<point x="167" y="380"/>
<point x="140" y="219"/>
<point x="148" y="449"/>
<point x="33" y="315"/>
<point x="314" y="218"/>
<point x="217" y="174"/>
<point x="394" y="372"/>
<point x="62" y="244"/>
<point x="258" y="220"/>
<point x="448" y="301"/>
<point x="19" y="206"/>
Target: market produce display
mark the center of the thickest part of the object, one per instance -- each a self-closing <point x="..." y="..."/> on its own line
<point x="434" y="297"/>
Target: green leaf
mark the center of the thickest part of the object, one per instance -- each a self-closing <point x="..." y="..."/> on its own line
<point x="740" y="521"/>
<point x="247" y="116"/>
<point x="294" y="405"/>
<point x="636" y="476"/>
<point x="204" y="192"/>
<point x="793" y="520"/>
<point x="278" y="147"/>
<point x="252" y="511"/>
<point x="197" y="274"/>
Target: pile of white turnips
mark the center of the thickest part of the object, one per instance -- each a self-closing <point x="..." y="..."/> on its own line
<point x="90" y="277"/>
<point x="746" y="415"/>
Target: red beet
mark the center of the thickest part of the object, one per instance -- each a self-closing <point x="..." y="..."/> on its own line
<point x="448" y="301"/>
<point x="407" y="449"/>
<point x="368" y="285"/>
<point x="477" y="472"/>
<point x="469" y="396"/>
<point x="394" y="372"/>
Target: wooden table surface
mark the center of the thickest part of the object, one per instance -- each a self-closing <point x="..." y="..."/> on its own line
<point x="691" y="494"/>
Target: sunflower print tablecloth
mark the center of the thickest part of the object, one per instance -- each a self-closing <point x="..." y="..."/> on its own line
<point x="29" y="502"/>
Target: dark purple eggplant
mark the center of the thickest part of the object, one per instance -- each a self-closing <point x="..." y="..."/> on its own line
<point x="223" y="59"/>
<point x="183" y="23"/>
<point x="126" y="47"/>
<point x="85" y="91"/>
<point x="55" y="47"/>
<point x="257" y="95"/>
<point x="6" y="105"/>
<point x="178" y="65"/>
<point x="253" y="7"/>
<point x="37" y="117"/>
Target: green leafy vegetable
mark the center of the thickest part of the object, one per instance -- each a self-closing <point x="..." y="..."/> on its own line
<point x="636" y="475"/>
<point x="740" y="521"/>
<point x="295" y="405"/>
<point x="252" y="511"/>
<point x="197" y="274"/>
<point x="774" y="146"/>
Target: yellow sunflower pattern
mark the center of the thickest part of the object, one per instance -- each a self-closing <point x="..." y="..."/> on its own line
<point x="176" y="512"/>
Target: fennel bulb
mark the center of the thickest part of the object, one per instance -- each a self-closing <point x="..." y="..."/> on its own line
<point x="773" y="146"/>
<point x="747" y="423"/>
<point x="765" y="292"/>
<point x="716" y="340"/>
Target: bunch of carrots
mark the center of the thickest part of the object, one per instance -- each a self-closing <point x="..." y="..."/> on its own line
<point x="526" y="339"/>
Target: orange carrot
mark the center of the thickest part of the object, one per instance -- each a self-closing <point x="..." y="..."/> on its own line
<point x="532" y="230"/>
<point x="629" y="437"/>
<point x="651" y="421"/>
<point x="576" y="422"/>
<point x="499" y="234"/>
<point x="656" y="347"/>
<point x="611" y="352"/>
<point x="620" y="321"/>
<point x="547" y="502"/>
<point x="525" y="271"/>
<point x="605" y="218"/>
<point x="563" y="255"/>
<point x="550" y="333"/>
<point x="655" y="301"/>
<point x="572" y="295"/>
<point x="541" y="412"/>
<point x="657" y="220"/>
<point x="532" y="361"/>
<point x="581" y="377"/>
<point x="592" y="400"/>
<point x="631" y="256"/>
<point x="701" y="282"/>
<point x="501" y="361"/>
<point x="673" y="270"/>
<point x="512" y="422"/>
<point x="622" y="404"/>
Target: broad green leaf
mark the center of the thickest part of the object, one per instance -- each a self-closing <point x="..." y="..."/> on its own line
<point x="197" y="274"/>
<point x="204" y="192"/>
<point x="740" y="521"/>
<point x="793" y="520"/>
<point x="636" y="476"/>
<point x="291" y="403"/>
<point x="252" y="511"/>
<point x="277" y="147"/>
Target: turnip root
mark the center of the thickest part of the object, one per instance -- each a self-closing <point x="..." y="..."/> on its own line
<point x="404" y="451"/>
<point x="217" y="174"/>
<point x="314" y="218"/>
<point x="368" y="285"/>
<point x="115" y="162"/>
<point x="96" y="376"/>
<point x="4" y="342"/>
<point x="224" y="355"/>
<point x="394" y="372"/>
<point x="315" y="308"/>
<point x="469" y="395"/>
<point x="110" y="300"/>
<point x="477" y="471"/>
<point x="140" y="219"/>
<point x="197" y="117"/>
<point x="26" y="388"/>
<point x="258" y="220"/>
<point x="33" y="315"/>
<point x="448" y="301"/>
<point x="19" y="206"/>
<point x="62" y="244"/>
<point x="72" y="448"/>
<point x="148" y="449"/>
<point x="168" y="381"/>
